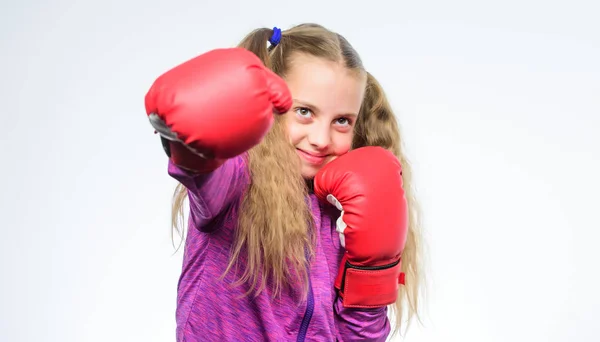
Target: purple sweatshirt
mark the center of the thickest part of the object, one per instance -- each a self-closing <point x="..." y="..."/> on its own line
<point x="210" y="309"/>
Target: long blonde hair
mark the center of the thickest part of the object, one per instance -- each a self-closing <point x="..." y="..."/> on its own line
<point x="275" y="229"/>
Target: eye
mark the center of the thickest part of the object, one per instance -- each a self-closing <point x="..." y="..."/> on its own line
<point x="304" y="112"/>
<point x="343" y="121"/>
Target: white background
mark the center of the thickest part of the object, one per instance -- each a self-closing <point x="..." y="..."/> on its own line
<point x="499" y="106"/>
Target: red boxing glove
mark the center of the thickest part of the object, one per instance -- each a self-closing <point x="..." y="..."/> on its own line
<point x="215" y="106"/>
<point x="366" y="185"/>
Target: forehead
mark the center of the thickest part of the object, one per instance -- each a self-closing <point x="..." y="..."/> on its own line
<point x="326" y="84"/>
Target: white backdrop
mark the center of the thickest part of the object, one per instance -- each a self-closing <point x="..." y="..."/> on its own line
<point x="498" y="102"/>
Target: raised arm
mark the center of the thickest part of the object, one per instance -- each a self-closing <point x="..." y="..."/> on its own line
<point x="209" y="111"/>
<point x="366" y="186"/>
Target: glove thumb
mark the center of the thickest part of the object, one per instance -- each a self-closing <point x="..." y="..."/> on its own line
<point x="279" y="92"/>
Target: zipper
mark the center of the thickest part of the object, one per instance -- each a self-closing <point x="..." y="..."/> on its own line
<point x="310" y="304"/>
<point x="310" y="307"/>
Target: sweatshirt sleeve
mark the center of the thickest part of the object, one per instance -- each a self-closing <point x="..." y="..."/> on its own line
<point x="211" y="193"/>
<point x="355" y="324"/>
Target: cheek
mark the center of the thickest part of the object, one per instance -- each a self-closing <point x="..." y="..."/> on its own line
<point x="342" y="144"/>
<point x="294" y="130"/>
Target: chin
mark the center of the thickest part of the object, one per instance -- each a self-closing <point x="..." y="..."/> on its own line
<point x="308" y="172"/>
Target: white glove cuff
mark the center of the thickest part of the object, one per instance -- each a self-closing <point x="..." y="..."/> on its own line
<point x="340" y="225"/>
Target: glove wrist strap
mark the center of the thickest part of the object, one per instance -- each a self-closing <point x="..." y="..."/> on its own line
<point x="370" y="286"/>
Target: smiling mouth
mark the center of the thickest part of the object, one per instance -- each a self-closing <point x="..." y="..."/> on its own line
<point x="312" y="158"/>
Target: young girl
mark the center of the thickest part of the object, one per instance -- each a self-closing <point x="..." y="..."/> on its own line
<point x="288" y="238"/>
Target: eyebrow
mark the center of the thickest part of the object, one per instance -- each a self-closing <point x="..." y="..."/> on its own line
<point x="306" y="104"/>
<point x="316" y="109"/>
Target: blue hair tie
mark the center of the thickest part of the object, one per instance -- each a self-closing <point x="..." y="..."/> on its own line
<point x="276" y="37"/>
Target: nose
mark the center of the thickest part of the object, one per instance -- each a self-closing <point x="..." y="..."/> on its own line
<point x="319" y="137"/>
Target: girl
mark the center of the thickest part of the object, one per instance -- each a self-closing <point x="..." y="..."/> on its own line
<point x="262" y="253"/>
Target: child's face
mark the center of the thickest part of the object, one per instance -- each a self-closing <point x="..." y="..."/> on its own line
<point x="327" y="99"/>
